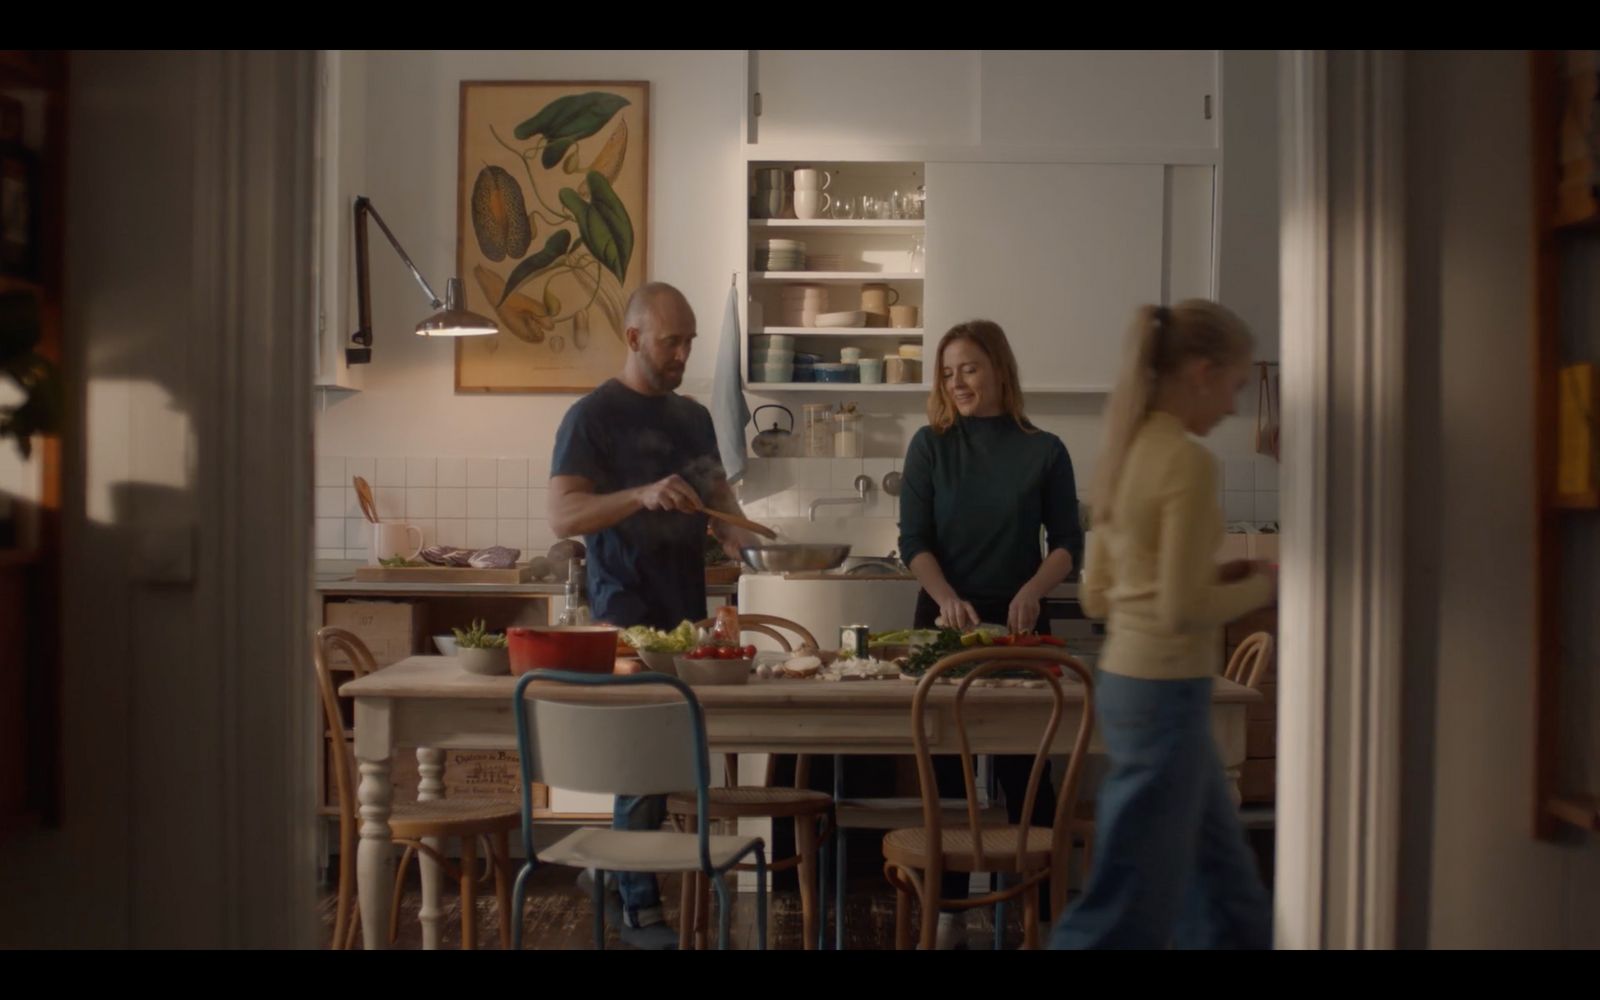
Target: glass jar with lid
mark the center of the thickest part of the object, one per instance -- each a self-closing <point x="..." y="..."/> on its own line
<point x="847" y="433"/>
<point x="817" y="434"/>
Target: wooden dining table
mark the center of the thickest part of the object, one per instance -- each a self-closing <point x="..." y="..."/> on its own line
<point x="430" y="703"/>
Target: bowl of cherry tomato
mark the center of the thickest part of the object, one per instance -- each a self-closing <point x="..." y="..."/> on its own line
<point x="710" y="665"/>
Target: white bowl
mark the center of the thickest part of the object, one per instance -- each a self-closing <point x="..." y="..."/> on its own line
<point x="446" y="644"/>
<point x="661" y="663"/>
<point x="711" y="673"/>
<point x="776" y="342"/>
<point x="854" y="317"/>
<point x="771" y="356"/>
<point x="775" y="371"/>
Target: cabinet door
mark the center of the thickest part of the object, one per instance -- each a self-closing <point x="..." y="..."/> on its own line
<point x="1058" y="254"/>
<point x="866" y="97"/>
<point x="1143" y="99"/>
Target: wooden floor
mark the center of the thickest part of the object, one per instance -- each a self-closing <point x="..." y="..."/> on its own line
<point x="558" y="914"/>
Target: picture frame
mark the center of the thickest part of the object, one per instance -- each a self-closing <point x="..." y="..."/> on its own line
<point x="553" y="219"/>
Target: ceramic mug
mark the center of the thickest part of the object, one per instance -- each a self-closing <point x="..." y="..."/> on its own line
<point x="903" y="317"/>
<point x="393" y="538"/>
<point x="809" y="179"/>
<point x="811" y="204"/>
<point x="876" y="297"/>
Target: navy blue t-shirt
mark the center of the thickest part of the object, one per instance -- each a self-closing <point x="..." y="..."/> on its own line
<point x="648" y="569"/>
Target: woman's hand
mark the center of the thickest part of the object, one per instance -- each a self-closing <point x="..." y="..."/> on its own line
<point x="958" y="614"/>
<point x="1023" y="614"/>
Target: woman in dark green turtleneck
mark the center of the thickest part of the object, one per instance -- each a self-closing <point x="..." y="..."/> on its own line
<point x="981" y="485"/>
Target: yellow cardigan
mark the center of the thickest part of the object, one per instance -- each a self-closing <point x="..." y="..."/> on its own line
<point x="1151" y="572"/>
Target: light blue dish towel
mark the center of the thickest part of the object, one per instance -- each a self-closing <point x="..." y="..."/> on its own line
<point x="729" y="411"/>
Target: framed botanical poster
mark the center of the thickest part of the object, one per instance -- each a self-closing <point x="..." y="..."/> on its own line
<point x="552" y="229"/>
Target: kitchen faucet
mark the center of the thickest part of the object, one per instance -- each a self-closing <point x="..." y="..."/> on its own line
<point x="862" y="484"/>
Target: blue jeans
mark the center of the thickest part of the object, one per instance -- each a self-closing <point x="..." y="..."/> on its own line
<point x="641" y="895"/>
<point x="1171" y="866"/>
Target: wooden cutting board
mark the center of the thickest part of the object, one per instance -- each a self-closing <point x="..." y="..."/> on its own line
<point x="443" y="574"/>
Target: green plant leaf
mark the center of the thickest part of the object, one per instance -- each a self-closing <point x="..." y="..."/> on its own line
<point x="603" y="224"/>
<point x="554" y="248"/>
<point x="568" y="119"/>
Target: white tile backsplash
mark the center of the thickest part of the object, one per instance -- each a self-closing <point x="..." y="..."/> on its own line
<point x="512" y="533"/>
<point x="452" y="531"/>
<point x="450" y="501"/>
<point x="1266" y="508"/>
<point x="330" y="532"/>
<point x="422" y="472"/>
<point x="391" y="472"/>
<point x="1238" y="475"/>
<point x="330" y="470"/>
<point x="357" y="535"/>
<point x="481" y="502"/>
<point x="1238" y="506"/>
<point x="329" y="501"/>
<point x="813" y="473"/>
<point x="511" y="502"/>
<point x="481" y="532"/>
<point x="784" y="503"/>
<point x="482" y="472"/>
<point x="538" y="470"/>
<point x="540" y="537"/>
<point x="421" y="501"/>
<point x="512" y="472"/>
<point x="452" y="472"/>
<point x="844" y="472"/>
<point x="391" y="502"/>
<point x="366" y="468"/>
<point x="428" y="527"/>
<point x="1266" y="474"/>
<point x="538" y="503"/>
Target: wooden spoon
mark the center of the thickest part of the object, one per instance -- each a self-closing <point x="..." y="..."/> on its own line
<point x="369" y="506"/>
<point x="739" y="522"/>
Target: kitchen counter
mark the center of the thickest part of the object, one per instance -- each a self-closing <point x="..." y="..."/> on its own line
<point x="338" y="578"/>
<point x="1060" y="592"/>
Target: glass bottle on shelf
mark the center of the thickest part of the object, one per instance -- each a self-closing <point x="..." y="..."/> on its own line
<point x="915" y="257"/>
<point x="576" y="610"/>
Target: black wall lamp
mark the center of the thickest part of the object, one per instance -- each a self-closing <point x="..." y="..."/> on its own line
<point x="452" y="318"/>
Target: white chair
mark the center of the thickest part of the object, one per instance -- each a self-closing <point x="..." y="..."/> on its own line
<point x="569" y="739"/>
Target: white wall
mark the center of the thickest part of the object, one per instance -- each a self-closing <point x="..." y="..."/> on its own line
<point x="409" y="410"/>
<point x="1471" y="874"/>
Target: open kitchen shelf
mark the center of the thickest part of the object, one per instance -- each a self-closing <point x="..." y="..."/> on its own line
<point x="837" y="388"/>
<point x="850" y="226"/>
<point x="1566" y="215"/>
<point x="834" y="277"/>
<point x="904" y="333"/>
<point x="875" y="250"/>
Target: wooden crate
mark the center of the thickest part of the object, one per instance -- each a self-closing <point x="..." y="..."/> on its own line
<point x="468" y="774"/>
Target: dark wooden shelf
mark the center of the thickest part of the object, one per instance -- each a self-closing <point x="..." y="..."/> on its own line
<point x="1578" y="501"/>
<point x="1582" y="811"/>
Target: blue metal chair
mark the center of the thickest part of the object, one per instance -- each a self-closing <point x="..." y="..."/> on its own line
<point x="645" y="747"/>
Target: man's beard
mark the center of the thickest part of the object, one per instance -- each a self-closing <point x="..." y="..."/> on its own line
<point x="661" y="379"/>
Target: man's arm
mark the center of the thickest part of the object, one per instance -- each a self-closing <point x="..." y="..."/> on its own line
<point x="732" y="538"/>
<point x="574" y="507"/>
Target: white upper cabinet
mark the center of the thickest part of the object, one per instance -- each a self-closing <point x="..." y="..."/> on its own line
<point x="1131" y="100"/>
<point x="1001" y="101"/>
<point x="858" y="97"/>
<point x="1058" y="254"/>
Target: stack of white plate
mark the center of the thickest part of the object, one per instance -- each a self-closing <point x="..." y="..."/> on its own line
<point x="825" y="262"/>
<point x="784" y="255"/>
<point x="800" y="304"/>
